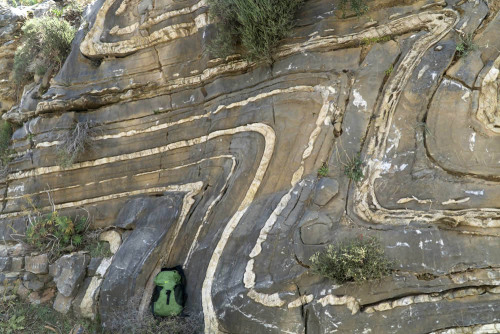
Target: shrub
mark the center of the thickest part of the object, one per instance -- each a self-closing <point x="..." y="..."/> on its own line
<point x="359" y="7"/>
<point x="75" y="142"/>
<point x="46" y="43"/>
<point x="353" y="260"/>
<point x="5" y="135"/>
<point x="354" y="169"/>
<point x="72" y="12"/>
<point x="255" y="25"/>
<point x="465" y="45"/>
<point x="55" y="234"/>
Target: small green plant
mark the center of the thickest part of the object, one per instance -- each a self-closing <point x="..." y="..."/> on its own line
<point x="388" y="72"/>
<point x="75" y="142"/>
<point x="46" y="42"/>
<point x="354" y="260"/>
<point x="99" y="249"/>
<point x="374" y="40"/>
<point x="255" y="25"/>
<point x="424" y="127"/>
<point x="55" y="234"/>
<point x="9" y="322"/>
<point x="18" y="316"/>
<point x="56" y="12"/>
<point x="359" y="7"/>
<point x="13" y="324"/>
<point x="323" y="170"/>
<point x="354" y="169"/>
<point x="466" y="45"/>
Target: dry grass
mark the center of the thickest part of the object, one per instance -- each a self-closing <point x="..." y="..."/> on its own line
<point x="128" y="320"/>
<point x="75" y="142"/>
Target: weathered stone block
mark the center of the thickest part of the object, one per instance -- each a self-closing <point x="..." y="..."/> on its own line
<point x="4" y="250"/>
<point x="26" y="276"/>
<point x="113" y="238"/>
<point x="71" y="271"/>
<point x="37" y="264"/>
<point x="85" y="303"/>
<point x="18" y="250"/>
<point x="45" y="278"/>
<point x="315" y="234"/>
<point x="103" y="267"/>
<point x="9" y="277"/>
<point x="17" y="263"/>
<point x="62" y="304"/>
<point x="33" y="284"/>
<point x="53" y="270"/>
<point x="23" y="292"/>
<point x="93" y="265"/>
<point x="5" y="263"/>
<point x="315" y="228"/>
<point x="326" y="189"/>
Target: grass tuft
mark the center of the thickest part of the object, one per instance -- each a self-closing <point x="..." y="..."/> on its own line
<point x="17" y="316"/>
<point x="466" y="45"/>
<point x="354" y="169"/>
<point x="375" y="40"/>
<point x="99" y="249"/>
<point x="359" y="7"/>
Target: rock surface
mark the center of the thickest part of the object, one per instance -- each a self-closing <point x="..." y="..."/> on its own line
<point x="5" y="263"/>
<point x="38" y="264"/>
<point x="62" y="304"/>
<point x="211" y="164"/>
<point x="113" y="238"/>
<point x="326" y="189"/>
<point x="70" y="272"/>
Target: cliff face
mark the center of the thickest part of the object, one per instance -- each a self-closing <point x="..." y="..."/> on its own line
<point x="212" y="164"/>
<point x="10" y="27"/>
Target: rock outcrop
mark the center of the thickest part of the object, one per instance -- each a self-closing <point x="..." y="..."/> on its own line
<point x="212" y="164"/>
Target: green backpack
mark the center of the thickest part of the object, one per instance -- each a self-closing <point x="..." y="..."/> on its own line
<point x="168" y="297"/>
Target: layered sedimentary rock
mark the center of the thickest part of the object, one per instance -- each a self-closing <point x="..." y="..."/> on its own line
<point x="212" y="163"/>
